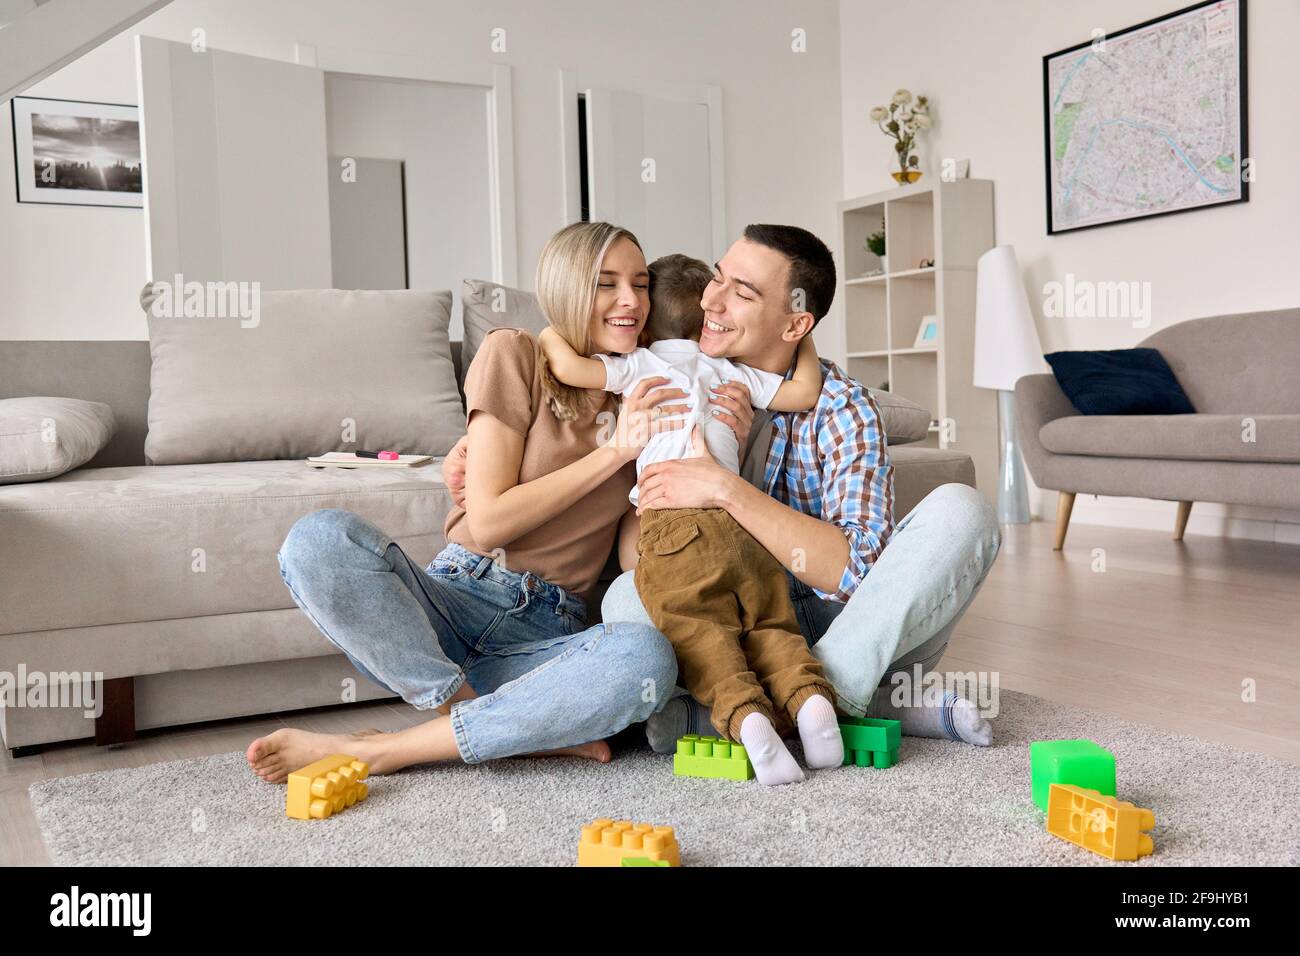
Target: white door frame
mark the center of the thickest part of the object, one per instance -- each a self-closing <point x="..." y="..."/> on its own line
<point x="708" y="95"/>
<point x="495" y="78"/>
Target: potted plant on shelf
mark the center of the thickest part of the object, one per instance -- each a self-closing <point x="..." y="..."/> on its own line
<point x="876" y="246"/>
<point x="901" y="120"/>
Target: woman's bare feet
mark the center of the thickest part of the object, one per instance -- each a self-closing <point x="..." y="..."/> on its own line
<point x="597" y="750"/>
<point x="278" y="754"/>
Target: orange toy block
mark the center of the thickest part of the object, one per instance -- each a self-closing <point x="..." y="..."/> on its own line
<point x="325" y="787"/>
<point x="609" y="842"/>
<point x="1104" y="825"/>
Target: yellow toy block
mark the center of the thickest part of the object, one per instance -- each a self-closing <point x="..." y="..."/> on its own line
<point x="1101" y="824"/>
<point x="325" y="787"/>
<point x="609" y="842"/>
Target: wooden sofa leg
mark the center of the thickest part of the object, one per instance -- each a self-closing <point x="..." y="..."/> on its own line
<point x="116" y="723"/>
<point x="1064" y="505"/>
<point x="1180" y="523"/>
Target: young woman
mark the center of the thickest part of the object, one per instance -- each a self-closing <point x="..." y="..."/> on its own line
<point x="492" y="634"/>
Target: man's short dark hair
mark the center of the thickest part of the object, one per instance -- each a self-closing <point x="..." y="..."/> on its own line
<point x="677" y="285"/>
<point x="812" y="267"/>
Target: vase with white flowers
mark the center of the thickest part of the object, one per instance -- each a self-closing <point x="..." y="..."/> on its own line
<point x="901" y="120"/>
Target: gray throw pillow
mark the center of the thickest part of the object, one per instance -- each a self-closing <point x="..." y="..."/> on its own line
<point x="44" y="437"/>
<point x="314" y="371"/>
<point x="904" y="421"/>
<point x="489" y="305"/>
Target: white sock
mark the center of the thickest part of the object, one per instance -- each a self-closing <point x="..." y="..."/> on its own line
<point x="773" y="764"/>
<point x="819" y="731"/>
<point x="954" y="719"/>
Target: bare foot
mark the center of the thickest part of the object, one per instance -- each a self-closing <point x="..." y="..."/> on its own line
<point x="278" y="754"/>
<point x="597" y="750"/>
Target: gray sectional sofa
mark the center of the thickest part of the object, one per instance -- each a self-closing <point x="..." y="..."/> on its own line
<point x="1241" y="447"/>
<point x="164" y="577"/>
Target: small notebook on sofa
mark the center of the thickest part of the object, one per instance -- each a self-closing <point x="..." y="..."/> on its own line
<point x="346" y="459"/>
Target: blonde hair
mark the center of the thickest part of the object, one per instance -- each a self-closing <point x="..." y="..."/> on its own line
<point x="567" y="275"/>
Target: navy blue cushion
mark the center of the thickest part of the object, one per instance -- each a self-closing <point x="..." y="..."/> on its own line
<point x="1120" y="382"/>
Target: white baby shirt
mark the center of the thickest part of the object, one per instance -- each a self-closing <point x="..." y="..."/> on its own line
<point x="687" y="368"/>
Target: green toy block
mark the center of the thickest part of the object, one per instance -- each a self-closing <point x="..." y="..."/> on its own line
<point x="712" y="758"/>
<point x="1079" y="763"/>
<point x="642" y="861"/>
<point x="869" y="742"/>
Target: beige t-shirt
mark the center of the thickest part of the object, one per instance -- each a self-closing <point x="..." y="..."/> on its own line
<point x="571" y="549"/>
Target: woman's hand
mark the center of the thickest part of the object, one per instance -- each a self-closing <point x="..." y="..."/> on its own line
<point x="645" y="414"/>
<point x="732" y="407"/>
<point x="453" y="471"/>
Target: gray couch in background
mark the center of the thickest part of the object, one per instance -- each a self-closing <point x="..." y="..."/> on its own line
<point x="1242" y="375"/>
<point x="98" y="572"/>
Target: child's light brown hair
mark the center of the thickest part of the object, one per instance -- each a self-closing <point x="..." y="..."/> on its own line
<point x="677" y="284"/>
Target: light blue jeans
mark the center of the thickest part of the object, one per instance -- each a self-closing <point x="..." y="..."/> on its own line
<point x="545" y="679"/>
<point x="904" y="611"/>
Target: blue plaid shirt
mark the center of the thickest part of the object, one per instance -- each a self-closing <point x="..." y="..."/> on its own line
<point x="831" y="463"/>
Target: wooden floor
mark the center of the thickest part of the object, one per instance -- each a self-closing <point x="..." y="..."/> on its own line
<point x="1165" y="635"/>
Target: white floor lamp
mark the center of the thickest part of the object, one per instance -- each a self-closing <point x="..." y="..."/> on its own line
<point x="1006" y="348"/>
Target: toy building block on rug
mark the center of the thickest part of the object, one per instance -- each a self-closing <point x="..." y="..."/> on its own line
<point x="1112" y="828"/>
<point x="642" y="861"/>
<point x="1079" y="763"/>
<point x="870" y="742"/>
<point x="611" y="842"/>
<point x="711" y="757"/>
<point x="326" y="787"/>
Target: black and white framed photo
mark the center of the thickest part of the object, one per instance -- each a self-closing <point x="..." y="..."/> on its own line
<point x="73" y="153"/>
<point x="1149" y="120"/>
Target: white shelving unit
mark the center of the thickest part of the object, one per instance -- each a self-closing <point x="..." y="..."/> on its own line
<point x="951" y="224"/>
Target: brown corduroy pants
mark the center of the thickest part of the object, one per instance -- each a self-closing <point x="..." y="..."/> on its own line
<point x="724" y="603"/>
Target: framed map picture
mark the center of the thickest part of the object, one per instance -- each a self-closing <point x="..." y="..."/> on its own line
<point x="1148" y="121"/>
<point x="73" y="153"/>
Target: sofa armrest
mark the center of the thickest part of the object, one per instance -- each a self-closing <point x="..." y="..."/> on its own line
<point x="1039" y="400"/>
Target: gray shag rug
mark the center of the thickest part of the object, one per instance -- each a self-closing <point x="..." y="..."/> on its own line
<point x="943" y="803"/>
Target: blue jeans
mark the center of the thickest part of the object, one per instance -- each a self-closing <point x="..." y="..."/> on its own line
<point x="904" y="611"/>
<point x="545" y="679"/>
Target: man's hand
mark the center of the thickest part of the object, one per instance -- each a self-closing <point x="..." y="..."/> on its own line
<point x="695" y="482"/>
<point x="453" y="471"/>
<point x="731" y="406"/>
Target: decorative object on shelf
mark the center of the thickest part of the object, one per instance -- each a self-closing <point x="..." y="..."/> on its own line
<point x="901" y="120"/>
<point x="925" y="264"/>
<point x="876" y="246"/>
<point x="1006" y="349"/>
<point x="72" y="153"/>
<point x="927" y="336"/>
<point x="1107" y="160"/>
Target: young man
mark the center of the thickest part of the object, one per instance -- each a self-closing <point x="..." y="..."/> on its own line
<point x="816" y="490"/>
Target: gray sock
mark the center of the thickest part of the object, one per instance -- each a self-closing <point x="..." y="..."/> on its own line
<point x="681" y="716"/>
<point x="955" y="719"/>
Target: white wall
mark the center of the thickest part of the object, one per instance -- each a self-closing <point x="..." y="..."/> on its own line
<point x="440" y="130"/>
<point x="981" y="63"/>
<point x="70" y="273"/>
